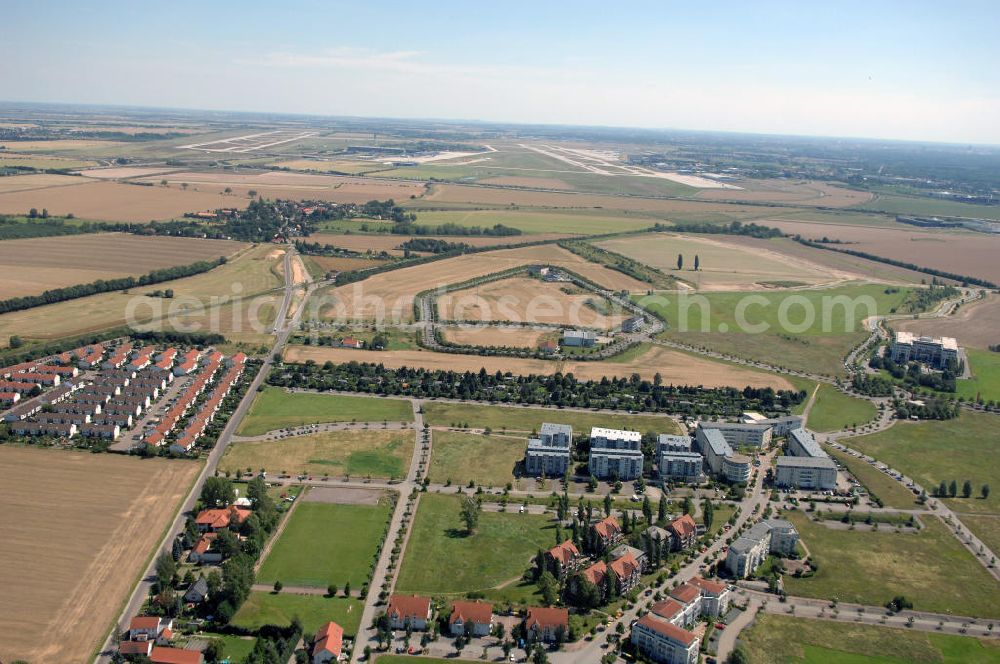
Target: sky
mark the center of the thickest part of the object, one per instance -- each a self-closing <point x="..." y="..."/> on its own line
<point x="897" y="70"/>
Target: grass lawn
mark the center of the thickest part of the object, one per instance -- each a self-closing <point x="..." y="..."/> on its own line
<point x="818" y="329"/>
<point x="930" y="568"/>
<point x="985" y="381"/>
<point x="489" y="460"/>
<point x="265" y="608"/>
<point x="235" y="648"/>
<point x="833" y="410"/>
<point x="314" y="551"/>
<point x="407" y="659"/>
<point x="376" y="452"/>
<point x="888" y="490"/>
<point x="966" y="447"/>
<point x="775" y="639"/>
<point x="274" y="408"/>
<point x="499" y="551"/>
<point x="526" y="420"/>
<point x="985" y="527"/>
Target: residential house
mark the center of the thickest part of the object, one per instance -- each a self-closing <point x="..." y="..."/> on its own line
<point x="327" y="644"/>
<point x="663" y="642"/>
<point x="202" y="551"/>
<point x="683" y="532"/>
<point x="748" y="551"/>
<point x="563" y="558"/>
<point x="148" y="628"/>
<point x="638" y="554"/>
<point x="715" y="596"/>
<point x="471" y="618"/>
<point x="546" y="624"/>
<point x="197" y="592"/>
<point x="161" y="655"/>
<point x="411" y="610"/>
<point x="135" y="648"/>
<point x="218" y="519"/>
<point x="351" y="342"/>
<point x="606" y="533"/>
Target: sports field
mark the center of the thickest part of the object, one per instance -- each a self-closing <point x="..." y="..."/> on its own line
<point x="266" y="608"/>
<point x="39" y="264"/>
<point x="673" y="366"/>
<point x="527" y="421"/>
<point x="275" y="408"/>
<point x="833" y="410"/>
<point x="965" y="448"/>
<point x="487" y="460"/>
<point x="930" y="568"/>
<point x="78" y="530"/>
<point x="776" y="639"/>
<point x="500" y="550"/>
<point x="810" y="330"/>
<point x="360" y="453"/>
<point x="326" y="543"/>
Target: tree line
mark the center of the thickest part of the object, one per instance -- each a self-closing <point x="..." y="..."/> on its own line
<point x="106" y="285"/>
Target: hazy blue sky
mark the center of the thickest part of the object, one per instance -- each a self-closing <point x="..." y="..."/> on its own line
<point x="911" y="70"/>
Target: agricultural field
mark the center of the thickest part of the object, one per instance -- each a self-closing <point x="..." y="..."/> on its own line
<point x="725" y="263"/>
<point x="375" y="453"/>
<point x="267" y="608"/>
<point x="234" y="309"/>
<point x="527" y="421"/>
<point x="964" y="448"/>
<point x="97" y="200"/>
<point x="973" y="325"/>
<point x="459" y="457"/>
<point x="319" y="266"/>
<point x="126" y="172"/>
<point x="513" y="336"/>
<point x="833" y="410"/>
<point x="539" y="223"/>
<point x="275" y="408"/>
<point x="389" y="296"/>
<point x="313" y="550"/>
<point x="961" y="252"/>
<point x="390" y="243"/>
<point x="821" y="327"/>
<point x="524" y="299"/>
<point x="930" y="568"/>
<point x="924" y="205"/>
<point x="78" y="530"/>
<point x="278" y="184"/>
<point x="674" y="367"/>
<point x="802" y="192"/>
<point x="38" y="264"/>
<point x="777" y="639"/>
<point x="498" y="553"/>
<point x="9" y="159"/>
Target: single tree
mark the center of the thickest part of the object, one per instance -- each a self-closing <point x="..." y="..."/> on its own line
<point x="470" y="514"/>
<point x="278" y="586"/>
<point x="966" y="489"/>
<point x="953" y="488"/>
<point x="680" y="261"/>
<point x="607" y="504"/>
<point x="985" y="491"/>
<point x="697" y="262"/>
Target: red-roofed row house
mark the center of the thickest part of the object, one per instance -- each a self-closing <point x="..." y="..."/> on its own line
<point x="663" y="634"/>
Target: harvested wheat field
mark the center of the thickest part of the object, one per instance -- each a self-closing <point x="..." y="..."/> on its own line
<point x="387" y="242"/>
<point x="726" y="263"/>
<point x="976" y="325"/>
<point x="114" y="201"/>
<point x="514" y="337"/>
<point x="782" y="191"/>
<point x="78" y="530"/>
<point x="389" y="296"/>
<point x="37" y="264"/>
<point x="337" y="264"/>
<point x="123" y="172"/>
<point x="37" y="181"/>
<point x="960" y="252"/>
<point x="277" y="184"/>
<point x="60" y="144"/>
<point x="525" y="299"/>
<point x="673" y="366"/>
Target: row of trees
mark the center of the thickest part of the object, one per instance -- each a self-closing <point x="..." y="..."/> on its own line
<point x="950" y="490"/>
<point x="633" y="393"/>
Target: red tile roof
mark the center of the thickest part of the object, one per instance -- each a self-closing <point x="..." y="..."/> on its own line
<point x="625" y="566"/>
<point x="221" y="518"/>
<point x="685" y="593"/>
<point x="542" y="618"/>
<point x="607" y="527"/>
<point x="204" y="543"/>
<point x="668" y="608"/>
<point x="175" y="656"/>
<point x="145" y="622"/>
<point x="329" y="638"/>
<point x="480" y="613"/>
<point x="709" y="587"/>
<point x="135" y="647"/>
<point x="683" y="526"/>
<point x="596" y="573"/>
<point x="402" y="607"/>
<point x="564" y="552"/>
<point x="668" y="630"/>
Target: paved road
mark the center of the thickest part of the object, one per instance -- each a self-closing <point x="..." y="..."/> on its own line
<point x="142" y="590"/>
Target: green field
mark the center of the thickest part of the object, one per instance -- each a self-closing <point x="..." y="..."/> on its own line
<point x="499" y="552"/>
<point x="375" y="453"/>
<point x="923" y="205"/>
<point x="274" y="408"/>
<point x="963" y="448"/>
<point x="888" y="490"/>
<point x="930" y="568"/>
<point x="776" y="639"/>
<point x="527" y="420"/>
<point x="985" y="381"/>
<point x="487" y="460"/>
<point x="325" y="543"/>
<point x="265" y="608"/>
<point x="986" y="527"/>
<point x="818" y="329"/>
<point x="834" y="410"/>
<point x="236" y="648"/>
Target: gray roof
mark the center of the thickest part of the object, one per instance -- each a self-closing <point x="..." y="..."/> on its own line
<point x="779" y="524"/>
<point x="579" y="334"/>
<point x="688" y="456"/>
<point x="715" y="440"/>
<point x="807" y="442"/>
<point x="806" y="462"/>
<point x="550" y="429"/>
<point x="756" y="426"/>
<point x="655" y="532"/>
<point x="665" y="439"/>
<point x="621" y="550"/>
<point x="538" y="446"/>
<point x="743" y="544"/>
